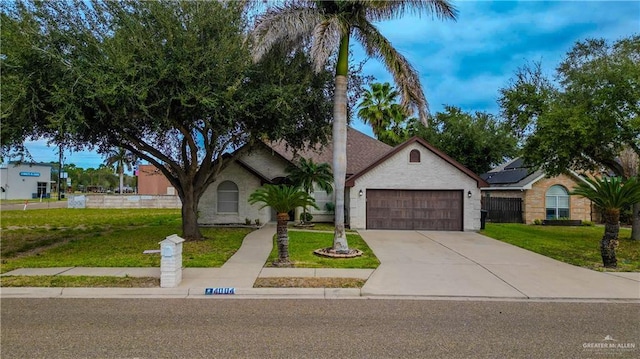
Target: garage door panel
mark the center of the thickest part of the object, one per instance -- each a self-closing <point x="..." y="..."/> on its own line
<point x="408" y="209"/>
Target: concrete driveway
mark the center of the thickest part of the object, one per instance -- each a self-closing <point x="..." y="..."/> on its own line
<point x="447" y="264"/>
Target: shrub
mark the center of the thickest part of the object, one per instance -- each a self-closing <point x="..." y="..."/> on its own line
<point x="537" y="222"/>
<point x="305" y="217"/>
<point x="588" y="223"/>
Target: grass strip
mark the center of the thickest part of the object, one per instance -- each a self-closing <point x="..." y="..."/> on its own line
<point x="79" y="281"/>
<point x="308" y="282"/>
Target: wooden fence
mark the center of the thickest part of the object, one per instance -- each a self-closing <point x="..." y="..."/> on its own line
<point x="503" y="210"/>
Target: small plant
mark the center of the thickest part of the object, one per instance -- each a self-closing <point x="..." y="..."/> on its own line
<point x="537" y="222"/>
<point x="588" y="223"/>
<point x="330" y="207"/>
<point x="305" y="217"/>
<point x="247" y="221"/>
<point x="257" y="221"/>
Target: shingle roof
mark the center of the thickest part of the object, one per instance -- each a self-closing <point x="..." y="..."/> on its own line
<point x="362" y="151"/>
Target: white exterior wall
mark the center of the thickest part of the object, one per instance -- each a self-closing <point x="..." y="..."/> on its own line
<point x="247" y="183"/>
<point x="18" y="186"/>
<point x="266" y="162"/>
<point x="432" y="173"/>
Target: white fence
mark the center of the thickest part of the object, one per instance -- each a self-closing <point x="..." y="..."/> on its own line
<point x="126" y="201"/>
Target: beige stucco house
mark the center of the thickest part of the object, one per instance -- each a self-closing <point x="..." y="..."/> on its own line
<point x="410" y="186"/>
<point x="542" y="197"/>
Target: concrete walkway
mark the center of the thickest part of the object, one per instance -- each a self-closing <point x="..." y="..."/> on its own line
<point x="428" y="265"/>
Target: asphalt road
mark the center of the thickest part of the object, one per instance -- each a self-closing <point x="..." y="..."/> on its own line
<point x="229" y="328"/>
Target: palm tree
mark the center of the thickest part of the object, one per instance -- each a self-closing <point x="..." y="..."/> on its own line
<point x="376" y="106"/>
<point x="610" y="195"/>
<point x="329" y="25"/>
<point x="121" y="159"/>
<point x="307" y="174"/>
<point x="282" y="199"/>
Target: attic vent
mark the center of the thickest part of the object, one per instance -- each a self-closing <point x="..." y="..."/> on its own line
<point x="414" y="156"/>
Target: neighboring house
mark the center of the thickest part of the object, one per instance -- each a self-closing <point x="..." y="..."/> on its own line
<point x="410" y="186"/>
<point x="152" y="181"/>
<point x="541" y="197"/>
<point x="25" y="181"/>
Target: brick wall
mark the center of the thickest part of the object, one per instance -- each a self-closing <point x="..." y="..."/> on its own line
<point x="534" y="201"/>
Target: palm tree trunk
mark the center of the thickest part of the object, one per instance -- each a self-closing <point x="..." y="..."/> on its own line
<point x="609" y="241"/>
<point x="282" y="241"/>
<point x="340" y="244"/>
<point x="121" y="178"/>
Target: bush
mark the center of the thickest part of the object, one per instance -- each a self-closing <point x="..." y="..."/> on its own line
<point x="330" y="207"/>
<point x="588" y="223"/>
<point x="305" y="217"/>
<point x="537" y="222"/>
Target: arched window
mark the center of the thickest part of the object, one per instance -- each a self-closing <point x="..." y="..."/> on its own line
<point x="414" y="156"/>
<point x="557" y="202"/>
<point x="227" y="197"/>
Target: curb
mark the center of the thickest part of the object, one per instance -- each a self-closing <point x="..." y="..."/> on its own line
<point x="266" y="293"/>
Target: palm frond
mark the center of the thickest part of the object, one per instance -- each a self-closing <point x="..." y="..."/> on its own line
<point x="404" y="75"/>
<point x="610" y="193"/>
<point x="379" y="10"/>
<point x="282" y="198"/>
<point x="288" y="24"/>
<point x="326" y="37"/>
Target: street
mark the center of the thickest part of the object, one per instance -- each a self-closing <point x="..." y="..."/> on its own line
<point x="230" y="328"/>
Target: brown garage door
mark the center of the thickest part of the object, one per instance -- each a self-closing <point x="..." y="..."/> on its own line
<point x="405" y="209"/>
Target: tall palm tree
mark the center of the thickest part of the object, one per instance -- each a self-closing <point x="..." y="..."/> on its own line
<point x="610" y="195"/>
<point x="376" y="106"/>
<point x="282" y="199"/>
<point x="330" y="25"/>
<point x="308" y="174"/>
<point x="121" y="159"/>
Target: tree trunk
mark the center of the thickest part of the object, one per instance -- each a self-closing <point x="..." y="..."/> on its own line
<point x="609" y="241"/>
<point x="121" y="179"/>
<point x="190" y="199"/>
<point x="635" y="228"/>
<point x="340" y="244"/>
<point x="282" y="241"/>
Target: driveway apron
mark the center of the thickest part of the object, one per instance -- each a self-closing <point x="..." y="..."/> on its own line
<point x="430" y="263"/>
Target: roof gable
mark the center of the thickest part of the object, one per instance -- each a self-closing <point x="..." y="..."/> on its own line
<point x="351" y="180"/>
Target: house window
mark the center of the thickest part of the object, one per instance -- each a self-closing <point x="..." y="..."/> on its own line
<point x="557" y="202"/>
<point x="414" y="156"/>
<point x="228" y="197"/>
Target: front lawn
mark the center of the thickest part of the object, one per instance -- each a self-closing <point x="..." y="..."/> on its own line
<point x="105" y="238"/>
<point x="303" y="243"/>
<point x="579" y="246"/>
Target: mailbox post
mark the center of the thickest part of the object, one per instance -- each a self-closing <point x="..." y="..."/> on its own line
<point x="171" y="261"/>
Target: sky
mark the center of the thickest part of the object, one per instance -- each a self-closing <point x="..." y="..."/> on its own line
<point x="464" y="63"/>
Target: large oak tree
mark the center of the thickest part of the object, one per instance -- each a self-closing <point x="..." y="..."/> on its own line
<point x="588" y="117"/>
<point x="170" y="81"/>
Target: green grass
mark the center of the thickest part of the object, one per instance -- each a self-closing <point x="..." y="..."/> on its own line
<point x="303" y="243"/>
<point x="105" y="238"/>
<point x="79" y="281"/>
<point x="579" y="246"/>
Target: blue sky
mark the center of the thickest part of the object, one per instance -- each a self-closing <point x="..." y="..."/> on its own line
<point x="465" y="63"/>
